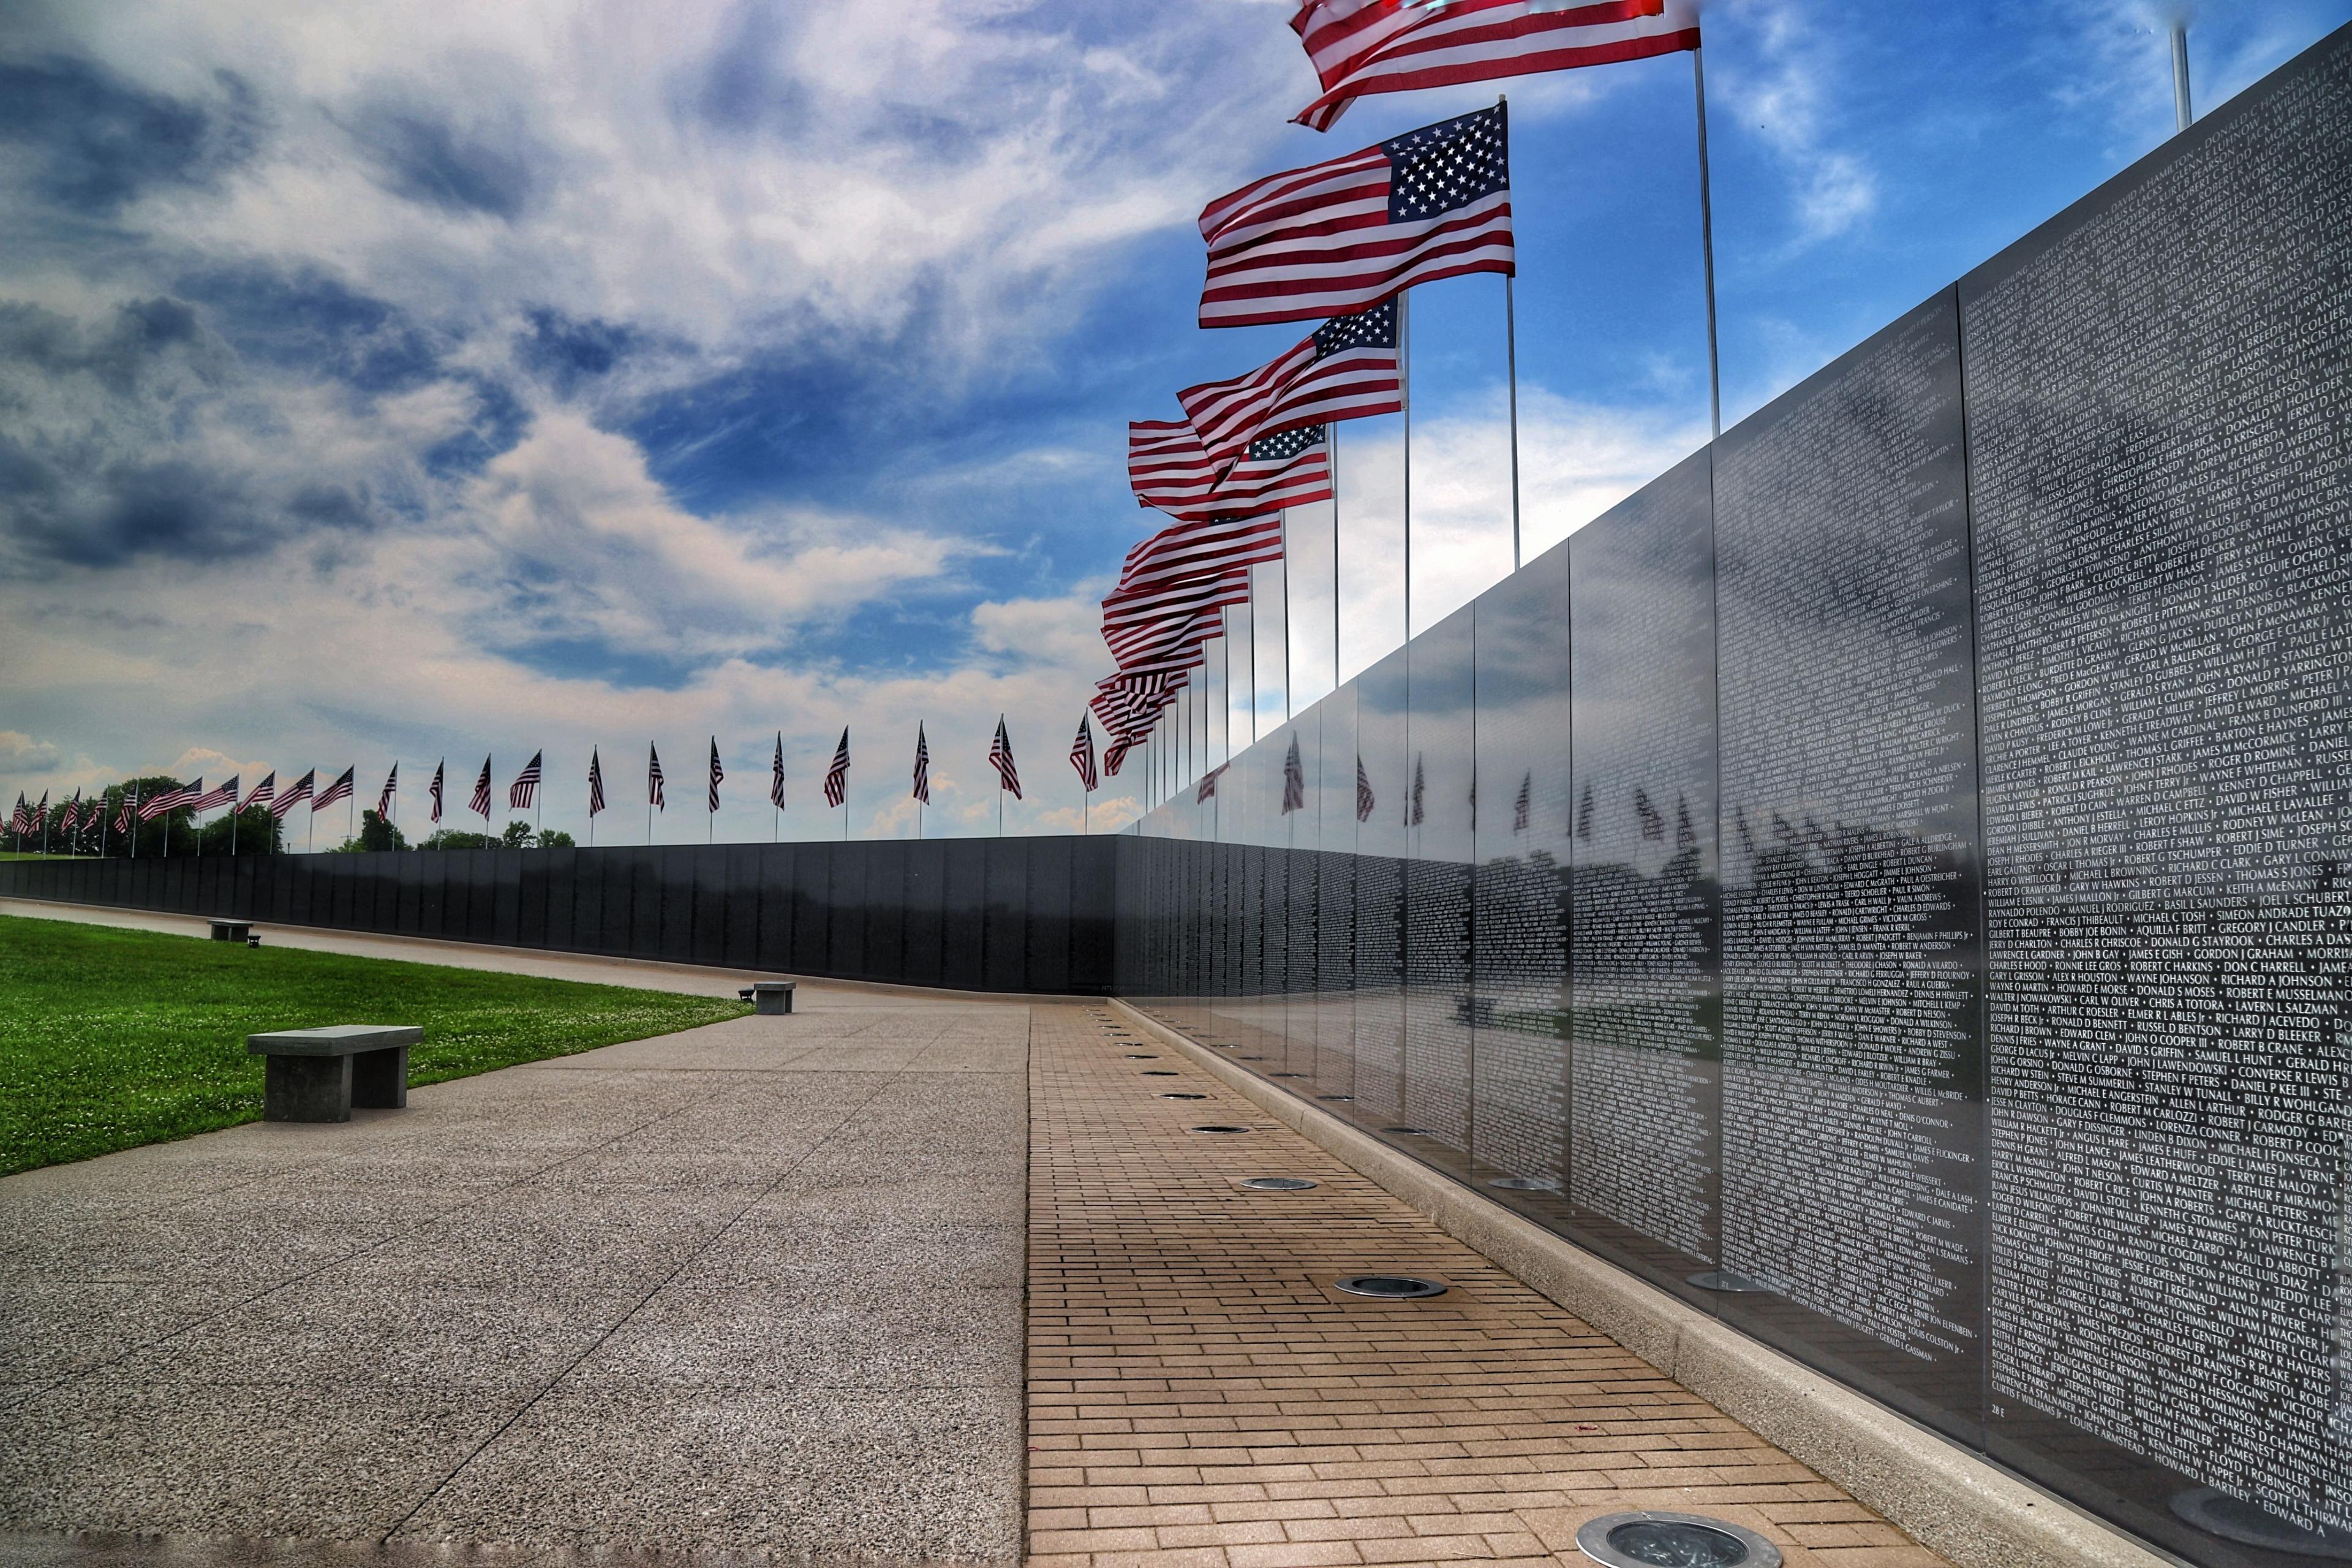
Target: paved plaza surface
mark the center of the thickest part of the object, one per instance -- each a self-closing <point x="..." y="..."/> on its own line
<point x="757" y="1291"/>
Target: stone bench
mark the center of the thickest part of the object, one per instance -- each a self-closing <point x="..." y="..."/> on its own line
<point x="226" y="929"/>
<point x="769" y="996"/>
<point x="317" y="1075"/>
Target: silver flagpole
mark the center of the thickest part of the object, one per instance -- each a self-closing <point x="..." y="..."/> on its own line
<point x="1333" y="437"/>
<point x="1511" y="361"/>
<point x="1225" y="650"/>
<point x="2180" y="110"/>
<point x="1253" y="654"/>
<point x="1706" y="246"/>
<point x="1286" y="615"/>
<point x="1404" y="385"/>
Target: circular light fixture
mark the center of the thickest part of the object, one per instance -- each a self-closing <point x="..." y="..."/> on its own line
<point x="1674" y="1540"/>
<point x="2250" y="1524"/>
<point x="1389" y="1286"/>
<point x="1218" y="1128"/>
<point x="1276" y="1183"/>
<point x="1524" y="1185"/>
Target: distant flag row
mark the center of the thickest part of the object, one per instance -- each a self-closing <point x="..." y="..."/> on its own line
<point x="1338" y="243"/>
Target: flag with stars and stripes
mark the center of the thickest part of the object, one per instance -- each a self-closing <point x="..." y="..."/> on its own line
<point x="384" y="796"/>
<point x="525" y="788"/>
<point x="41" y="813"/>
<point x="654" y="792"/>
<point x="296" y="793"/>
<point x="1344" y="369"/>
<point x="1523" y="808"/>
<point x="21" y="815"/>
<point x="1343" y="236"/>
<point x="262" y="792"/>
<point x="158" y="804"/>
<point x="716" y="774"/>
<point x="224" y="794"/>
<point x="776" y="775"/>
<point x="481" y="804"/>
<point x="121" y="817"/>
<point x="1294" y="779"/>
<point x="1361" y="49"/>
<point x="1082" y="756"/>
<point x="1414" y="815"/>
<point x="1364" y="801"/>
<point x="71" y="818"/>
<point x="1208" y="786"/>
<point x="836" y="777"/>
<point x="596" y="782"/>
<point x="1170" y="472"/>
<point x="1188" y="550"/>
<point x="922" y="790"/>
<point x="1000" y="757"/>
<point x="440" y="775"/>
<point x="337" y="792"/>
<point x="1653" y="822"/>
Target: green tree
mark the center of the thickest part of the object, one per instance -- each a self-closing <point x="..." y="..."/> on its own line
<point x="149" y="838"/>
<point x="254" y="832"/>
<point x="556" y="838"/>
<point x="454" y="838"/>
<point x="375" y="835"/>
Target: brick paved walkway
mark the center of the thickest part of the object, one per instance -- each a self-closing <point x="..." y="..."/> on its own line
<point x="1198" y="1395"/>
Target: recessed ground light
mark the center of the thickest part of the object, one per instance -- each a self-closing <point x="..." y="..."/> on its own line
<point x="1159" y="1072"/>
<point x="1182" y="1094"/>
<point x="2218" y="1513"/>
<point x="1215" y="1127"/>
<point x="1728" y="1283"/>
<point x="1143" y="1055"/>
<point x="1390" y="1286"/>
<point x="1276" y="1183"/>
<point x="1674" y="1540"/>
<point x="1253" y="1059"/>
<point x="1410" y="1131"/>
<point x="1524" y="1185"/>
<point x="1335" y="1097"/>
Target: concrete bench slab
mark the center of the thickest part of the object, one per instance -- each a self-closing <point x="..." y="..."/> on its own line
<point x="317" y="1075"/>
<point x="226" y="929"/>
<point x="769" y="996"/>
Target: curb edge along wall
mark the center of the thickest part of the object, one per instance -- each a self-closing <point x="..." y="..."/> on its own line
<point x="1953" y="845"/>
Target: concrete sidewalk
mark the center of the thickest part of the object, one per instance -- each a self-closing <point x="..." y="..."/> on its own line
<point x="751" y="1287"/>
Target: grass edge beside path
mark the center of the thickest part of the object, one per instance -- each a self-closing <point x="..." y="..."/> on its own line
<point x="111" y="1037"/>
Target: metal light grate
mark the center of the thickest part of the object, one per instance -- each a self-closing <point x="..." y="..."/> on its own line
<point x="1674" y="1540"/>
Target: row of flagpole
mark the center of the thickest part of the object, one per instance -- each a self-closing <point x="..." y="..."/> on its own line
<point x="525" y="791"/>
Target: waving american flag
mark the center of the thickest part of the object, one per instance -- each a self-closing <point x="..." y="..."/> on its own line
<point x="391" y="788"/>
<point x="1082" y="756"/>
<point x="776" y="775"/>
<point x="440" y="773"/>
<point x="922" y="790"/>
<point x="1343" y="236"/>
<point x="296" y="793"/>
<point x="122" y="816"/>
<point x="596" y="782"/>
<point x="224" y="794"/>
<point x="481" y="804"/>
<point x="836" y="777"/>
<point x="262" y="792"/>
<point x="1000" y="757"/>
<point x="525" y="788"/>
<point x="1364" y="801"/>
<point x="159" y="802"/>
<point x="337" y="792"/>
<point x="72" y="815"/>
<point x="1364" y="46"/>
<point x="1294" y="779"/>
<point x="654" y="778"/>
<point x="1345" y="369"/>
<point x="716" y="774"/>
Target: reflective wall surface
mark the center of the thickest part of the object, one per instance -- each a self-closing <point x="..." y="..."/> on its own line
<point x="1890" y="880"/>
<point x="973" y="915"/>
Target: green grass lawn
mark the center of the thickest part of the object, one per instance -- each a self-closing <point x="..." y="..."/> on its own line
<point x="111" y="1038"/>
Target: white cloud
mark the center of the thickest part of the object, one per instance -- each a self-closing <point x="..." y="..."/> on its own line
<point x="19" y="752"/>
<point x="1788" y="98"/>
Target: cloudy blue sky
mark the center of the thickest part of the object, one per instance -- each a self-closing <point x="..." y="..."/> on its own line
<point x="427" y="379"/>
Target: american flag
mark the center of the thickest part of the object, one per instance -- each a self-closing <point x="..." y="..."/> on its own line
<point x="776" y="775"/>
<point x="122" y="816"/>
<point x="1522" y="808"/>
<point x="1359" y="49"/>
<point x="337" y="792"/>
<point x="1082" y="756"/>
<point x="1364" y="801"/>
<point x="41" y="812"/>
<point x="1415" y="815"/>
<point x="1000" y="757"/>
<point x="1346" y="234"/>
<point x="1131" y="613"/>
<point x="296" y="793"/>
<point x="596" y="782"/>
<point x="1584" y="813"/>
<point x="262" y="792"/>
<point x="922" y="791"/>
<point x="440" y="772"/>
<point x="226" y="794"/>
<point x="73" y="817"/>
<point x="391" y="788"/>
<point x="836" y="777"/>
<point x="654" y="778"/>
<point x="716" y="774"/>
<point x="1344" y="369"/>
<point x="1171" y="644"/>
<point x="480" y="805"/>
<point x="526" y="785"/>
<point x="1184" y="550"/>
<point x="1208" y="782"/>
<point x="1654" y="824"/>
<point x="1167" y="469"/>
<point x="1294" y="779"/>
<point x="162" y="801"/>
<point x="23" y="815"/>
